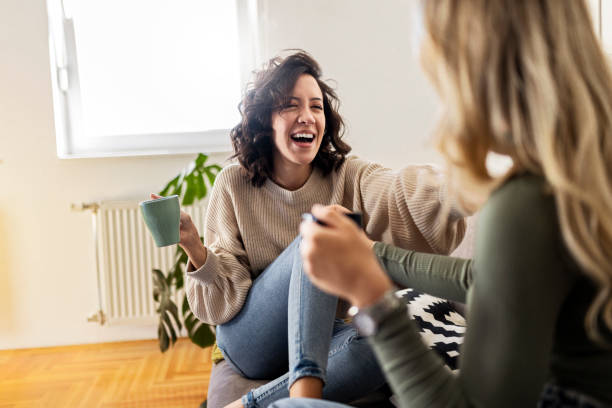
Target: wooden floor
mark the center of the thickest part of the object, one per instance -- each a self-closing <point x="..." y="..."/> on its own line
<point x="127" y="374"/>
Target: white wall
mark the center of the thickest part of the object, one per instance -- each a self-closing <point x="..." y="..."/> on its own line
<point x="47" y="275"/>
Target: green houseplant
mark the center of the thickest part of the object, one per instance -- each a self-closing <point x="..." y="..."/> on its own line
<point x="191" y="185"/>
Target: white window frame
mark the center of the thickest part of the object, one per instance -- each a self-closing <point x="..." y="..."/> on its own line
<point x="605" y="25"/>
<point x="602" y="21"/>
<point x="595" y="8"/>
<point x="67" y="106"/>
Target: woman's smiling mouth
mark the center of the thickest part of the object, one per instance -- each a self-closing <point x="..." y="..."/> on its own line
<point x="303" y="139"/>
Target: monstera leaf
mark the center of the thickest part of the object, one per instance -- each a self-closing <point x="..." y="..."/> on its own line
<point x="175" y="276"/>
<point x="199" y="332"/>
<point x="169" y="322"/>
<point x="190" y="184"/>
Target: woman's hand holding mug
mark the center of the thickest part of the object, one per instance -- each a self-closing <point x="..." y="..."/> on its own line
<point x="189" y="238"/>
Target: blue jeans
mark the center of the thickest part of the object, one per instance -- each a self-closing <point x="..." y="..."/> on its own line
<point x="287" y="323"/>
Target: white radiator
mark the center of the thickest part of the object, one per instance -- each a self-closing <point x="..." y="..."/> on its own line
<point x="125" y="256"/>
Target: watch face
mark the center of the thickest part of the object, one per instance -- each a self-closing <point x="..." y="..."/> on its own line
<point x="365" y="324"/>
<point x="368" y="319"/>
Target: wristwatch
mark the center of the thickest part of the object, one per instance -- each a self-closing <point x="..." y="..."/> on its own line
<point x="368" y="319"/>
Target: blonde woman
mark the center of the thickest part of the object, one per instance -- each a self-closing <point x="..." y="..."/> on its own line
<point x="527" y="79"/>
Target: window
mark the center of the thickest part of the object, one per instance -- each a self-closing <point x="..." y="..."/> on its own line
<point x="605" y="20"/>
<point x="602" y="19"/>
<point x="141" y="77"/>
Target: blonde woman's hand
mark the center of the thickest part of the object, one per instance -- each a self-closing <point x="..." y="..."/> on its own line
<point x="338" y="258"/>
<point x="344" y="210"/>
<point x="189" y="238"/>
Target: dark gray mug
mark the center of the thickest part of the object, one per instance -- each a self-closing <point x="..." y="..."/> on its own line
<point x="162" y="217"/>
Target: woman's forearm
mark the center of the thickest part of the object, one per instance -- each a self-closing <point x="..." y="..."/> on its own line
<point x="439" y="275"/>
<point x="416" y="374"/>
<point x="197" y="254"/>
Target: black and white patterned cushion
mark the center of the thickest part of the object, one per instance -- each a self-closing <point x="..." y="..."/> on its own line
<point x="442" y="327"/>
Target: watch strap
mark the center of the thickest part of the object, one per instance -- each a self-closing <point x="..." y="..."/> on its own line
<point x="369" y="318"/>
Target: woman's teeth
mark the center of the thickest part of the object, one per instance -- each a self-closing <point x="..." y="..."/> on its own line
<point x="302" y="137"/>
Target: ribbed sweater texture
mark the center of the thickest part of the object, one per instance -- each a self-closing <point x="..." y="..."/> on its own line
<point x="247" y="227"/>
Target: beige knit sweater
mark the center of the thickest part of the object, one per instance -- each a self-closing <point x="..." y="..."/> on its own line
<point x="248" y="227"/>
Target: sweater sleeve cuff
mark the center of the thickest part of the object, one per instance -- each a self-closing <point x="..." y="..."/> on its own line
<point x="207" y="272"/>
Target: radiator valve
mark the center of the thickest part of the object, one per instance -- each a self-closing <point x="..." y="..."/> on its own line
<point x="97" y="317"/>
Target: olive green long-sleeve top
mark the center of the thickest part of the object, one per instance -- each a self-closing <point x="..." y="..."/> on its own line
<point x="526" y="301"/>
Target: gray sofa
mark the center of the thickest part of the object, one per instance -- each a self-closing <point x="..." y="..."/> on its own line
<point x="225" y="385"/>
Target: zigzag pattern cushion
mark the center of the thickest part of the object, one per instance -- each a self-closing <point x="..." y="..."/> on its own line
<point x="442" y="327"/>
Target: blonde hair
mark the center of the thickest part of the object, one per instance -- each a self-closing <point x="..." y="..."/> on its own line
<point x="529" y="79"/>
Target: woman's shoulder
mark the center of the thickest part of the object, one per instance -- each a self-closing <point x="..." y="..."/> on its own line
<point x="524" y="192"/>
<point x="232" y="175"/>
<point x="232" y="181"/>
<point x="354" y="165"/>
<point x="522" y="206"/>
<point x="354" y="162"/>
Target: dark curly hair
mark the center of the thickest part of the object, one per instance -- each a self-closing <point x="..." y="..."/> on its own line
<point x="252" y="138"/>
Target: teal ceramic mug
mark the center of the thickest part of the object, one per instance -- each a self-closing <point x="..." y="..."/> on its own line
<point x="162" y="217"/>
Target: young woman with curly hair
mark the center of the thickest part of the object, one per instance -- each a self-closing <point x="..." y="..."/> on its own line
<point x="247" y="277"/>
